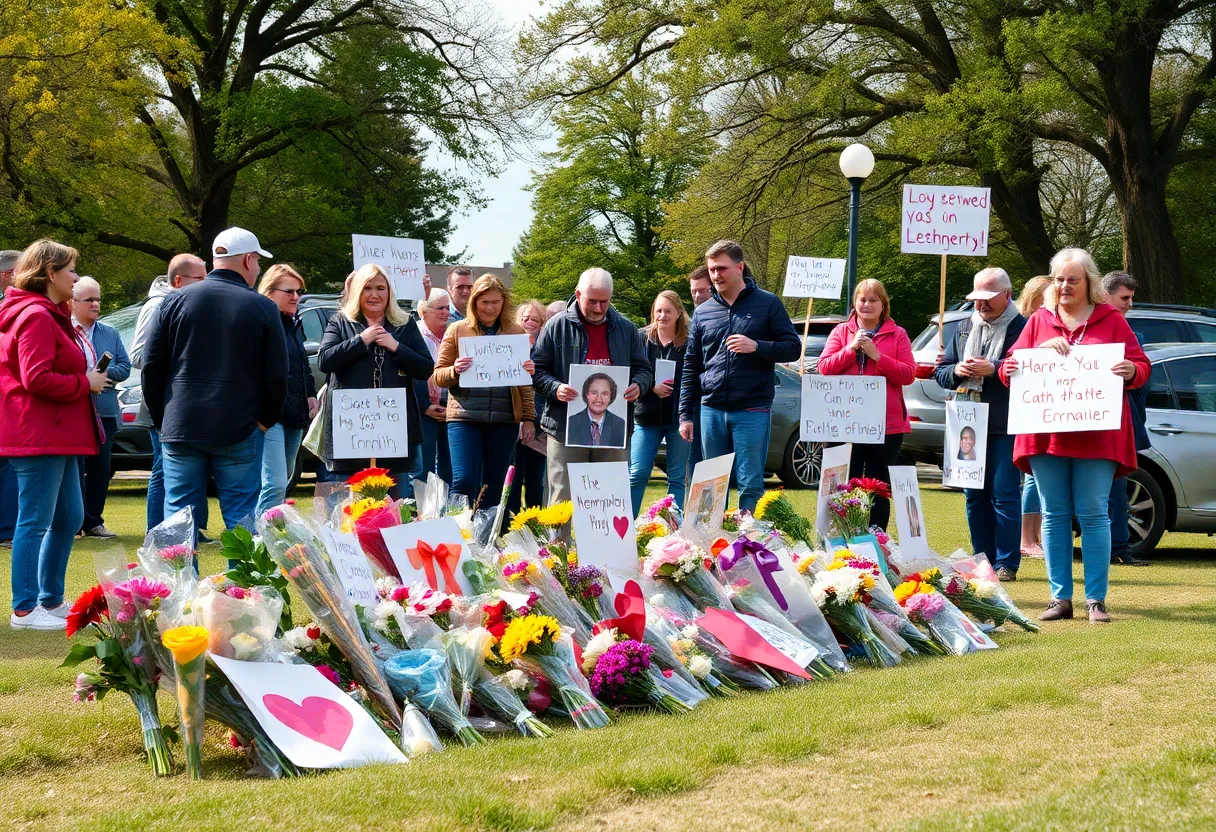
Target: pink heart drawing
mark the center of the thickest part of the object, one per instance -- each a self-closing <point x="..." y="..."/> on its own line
<point x="621" y="524"/>
<point x="321" y="720"/>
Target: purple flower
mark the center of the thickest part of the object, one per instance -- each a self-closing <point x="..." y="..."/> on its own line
<point x="617" y="667"/>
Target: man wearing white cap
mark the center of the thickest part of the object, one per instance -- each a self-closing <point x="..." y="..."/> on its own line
<point x="994" y="513"/>
<point x="215" y="372"/>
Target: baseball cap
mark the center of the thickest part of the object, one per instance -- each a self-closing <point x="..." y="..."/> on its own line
<point x="978" y="294"/>
<point x="235" y="241"/>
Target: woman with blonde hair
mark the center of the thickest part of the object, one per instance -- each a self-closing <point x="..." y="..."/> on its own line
<point x="1032" y="518"/>
<point x="483" y="422"/>
<point x="1031" y="297"/>
<point x="371" y="343"/>
<point x="281" y="443"/>
<point x="530" y="460"/>
<point x="656" y="414"/>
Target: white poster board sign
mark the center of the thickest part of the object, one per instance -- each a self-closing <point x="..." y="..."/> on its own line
<point x="370" y="423"/>
<point x="1053" y="393"/>
<point x="498" y="361"/>
<point x="844" y="409"/>
<point x="401" y="258"/>
<point x="966" y="445"/>
<point x="664" y="371"/>
<point x="909" y="515"/>
<point x="945" y="219"/>
<point x="311" y="721"/>
<point x="352" y="566"/>
<point x="430" y="552"/>
<point x="599" y="417"/>
<point x="705" y="502"/>
<point x="603" y="517"/>
<point x="813" y="277"/>
<point x="833" y="471"/>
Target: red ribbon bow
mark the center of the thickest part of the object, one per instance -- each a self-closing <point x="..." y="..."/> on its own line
<point x="447" y="555"/>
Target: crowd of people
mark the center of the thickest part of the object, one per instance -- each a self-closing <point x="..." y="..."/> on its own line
<point x="234" y="410"/>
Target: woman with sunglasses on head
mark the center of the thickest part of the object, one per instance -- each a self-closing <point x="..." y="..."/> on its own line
<point x="1074" y="470"/>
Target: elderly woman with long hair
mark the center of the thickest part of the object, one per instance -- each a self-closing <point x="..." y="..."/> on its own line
<point x="49" y="419"/>
<point x="530" y="461"/>
<point x="371" y="343"/>
<point x="656" y="414"/>
<point x="483" y="422"/>
<point x="281" y="443"/>
<point x="1074" y="470"/>
<point x="1032" y="517"/>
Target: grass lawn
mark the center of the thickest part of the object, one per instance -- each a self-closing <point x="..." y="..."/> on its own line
<point x="1077" y="728"/>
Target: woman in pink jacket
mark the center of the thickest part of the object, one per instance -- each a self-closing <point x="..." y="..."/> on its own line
<point x="869" y="343"/>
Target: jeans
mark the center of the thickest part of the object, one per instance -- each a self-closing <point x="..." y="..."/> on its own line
<point x="694" y="451"/>
<point x="643" y="448"/>
<point x="1117" y="508"/>
<point x="235" y="468"/>
<point x="434" y="456"/>
<point x="481" y="454"/>
<point x="746" y="433"/>
<point x="50" y="510"/>
<point x="156" y="484"/>
<point x="876" y="461"/>
<point x="95" y="476"/>
<point x="8" y="500"/>
<point x="1070" y="486"/>
<point x="529" y="477"/>
<point x="1030" y="496"/>
<point x="280" y="446"/>
<point x="994" y="514"/>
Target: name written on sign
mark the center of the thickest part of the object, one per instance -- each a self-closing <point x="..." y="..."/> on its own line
<point x="1062" y="385"/>
<point x="371" y="421"/>
<point x="599" y="510"/>
<point x="843" y="409"/>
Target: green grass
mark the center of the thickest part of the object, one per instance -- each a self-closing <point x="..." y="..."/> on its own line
<point x="1077" y="728"/>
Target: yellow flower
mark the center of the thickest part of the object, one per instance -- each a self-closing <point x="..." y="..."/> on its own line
<point x="805" y="563"/>
<point x="466" y="534"/>
<point x="931" y="574"/>
<point x="558" y="514"/>
<point x="525" y="631"/>
<point x="361" y="507"/>
<point x="572" y="557"/>
<point x="867" y="581"/>
<point x="377" y="484"/>
<point x="905" y="591"/>
<point x="766" y="500"/>
<point x="524" y="517"/>
<point x="186" y="643"/>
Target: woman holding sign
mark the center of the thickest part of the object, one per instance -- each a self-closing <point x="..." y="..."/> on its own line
<point x="1074" y="470"/>
<point x="370" y="343"/>
<point x="484" y="422"/>
<point x="869" y="343"/>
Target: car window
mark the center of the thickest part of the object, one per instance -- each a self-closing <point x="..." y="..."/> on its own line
<point x="1194" y="381"/>
<point x="1207" y="332"/>
<point x="1157" y="330"/>
<point x="1160" y="397"/>
<point x="314" y="326"/>
<point x="930" y="333"/>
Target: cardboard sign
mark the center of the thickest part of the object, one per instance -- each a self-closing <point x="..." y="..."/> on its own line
<point x="844" y="409"/>
<point x="431" y="552"/>
<point x="603" y="516"/>
<point x="966" y="446"/>
<point x="1053" y="393"/>
<point x="401" y="258"/>
<point x="813" y="277"/>
<point x="311" y="721"/>
<point x="664" y="371"/>
<point x="909" y="516"/>
<point x="945" y="219"/>
<point x="352" y="566"/>
<point x="370" y="423"/>
<point x="498" y="361"/>
<point x="705" y="502"/>
<point x="833" y="471"/>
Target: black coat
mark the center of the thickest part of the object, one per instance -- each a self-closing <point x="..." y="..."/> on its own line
<point x="351" y="364"/>
<point x="215" y="362"/>
<point x="300" y="384"/>
<point x="650" y="410"/>
<point x="994" y="393"/>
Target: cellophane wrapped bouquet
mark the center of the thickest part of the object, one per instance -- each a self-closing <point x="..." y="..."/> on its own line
<point x="775" y="508"/>
<point x="522" y="569"/>
<point x="622" y="673"/>
<point x="423" y="677"/>
<point x="881" y="601"/>
<point x="842" y="592"/>
<point x="674" y="557"/>
<point x="663" y="510"/>
<point x="537" y="644"/>
<point x="982" y="596"/>
<point x="849" y="507"/>
<point x="370" y="510"/>
<point x="945" y="622"/>
<point x="189" y="648"/>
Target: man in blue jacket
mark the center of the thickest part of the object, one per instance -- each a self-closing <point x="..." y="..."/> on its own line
<point x="215" y="371"/>
<point x="736" y="339"/>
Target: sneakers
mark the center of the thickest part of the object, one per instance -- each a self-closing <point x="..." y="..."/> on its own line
<point x="1097" y="612"/>
<point x="1057" y="610"/>
<point x="99" y="531"/>
<point x="39" y="619"/>
<point x="1005" y="575"/>
<point x="60" y="611"/>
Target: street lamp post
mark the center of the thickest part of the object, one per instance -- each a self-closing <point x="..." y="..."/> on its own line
<point x="856" y="163"/>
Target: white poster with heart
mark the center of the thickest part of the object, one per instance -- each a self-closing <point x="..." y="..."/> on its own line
<point x="307" y="717"/>
<point x="603" y="517"/>
<point x="431" y="552"/>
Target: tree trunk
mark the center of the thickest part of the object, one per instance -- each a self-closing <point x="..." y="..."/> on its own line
<point x="1021" y="213"/>
<point x="1150" y="250"/>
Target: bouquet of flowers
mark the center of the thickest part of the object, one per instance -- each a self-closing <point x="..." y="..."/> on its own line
<point x="423" y="677"/>
<point x="537" y="644"/>
<point x="543" y="521"/>
<point x="929" y="608"/>
<point x="467" y="649"/>
<point x="168" y="551"/>
<point x="523" y="570"/>
<point x="849" y="507"/>
<point x="700" y="664"/>
<point x="774" y="507"/>
<point x="664" y="510"/>
<point x="241" y="623"/>
<point x="842" y="594"/>
<point x="882" y="603"/>
<point x="677" y="559"/>
<point x="984" y="599"/>
<point x="648" y="531"/>
<point x="622" y="674"/>
<point x="250" y="565"/>
<point x="583" y="584"/>
<point x="189" y="648"/>
<point x="397" y="601"/>
<point x="314" y="647"/>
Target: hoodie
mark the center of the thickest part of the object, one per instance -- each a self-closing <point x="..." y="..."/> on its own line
<point x="160" y="289"/>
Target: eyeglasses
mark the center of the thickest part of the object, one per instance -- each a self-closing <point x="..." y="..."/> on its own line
<point x="289" y="291"/>
<point x="1060" y="281"/>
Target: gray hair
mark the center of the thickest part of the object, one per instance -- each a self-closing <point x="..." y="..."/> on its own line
<point x="1118" y="280"/>
<point x="595" y="279"/>
<point x="438" y="299"/>
<point x="556" y="307"/>
<point x="8" y="260"/>
<point x="84" y="284"/>
<point x="1002" y="277"/>
<point x="1093" y="278"/>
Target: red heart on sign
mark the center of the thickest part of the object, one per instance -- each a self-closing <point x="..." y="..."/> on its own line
<point x="631" y="607"/>
<point x="321" y="720"/>
<point x="621" y="524"/>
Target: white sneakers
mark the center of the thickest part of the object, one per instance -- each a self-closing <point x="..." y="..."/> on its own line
<point x="40" y="619"/>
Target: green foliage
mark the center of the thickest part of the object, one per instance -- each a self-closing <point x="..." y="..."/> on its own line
<point x="250" y="564"/>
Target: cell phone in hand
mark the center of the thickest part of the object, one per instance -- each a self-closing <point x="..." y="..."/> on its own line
<point x="103" y="363"/>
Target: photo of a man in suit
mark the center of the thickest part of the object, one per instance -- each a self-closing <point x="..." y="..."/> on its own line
<point x="595" y="426"/>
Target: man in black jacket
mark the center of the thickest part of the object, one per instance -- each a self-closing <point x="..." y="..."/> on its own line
<point x="736" y="339"/>
<point x="590" y="331"/>
<point x="215" y="371"/>
<point x="994" y="512"/>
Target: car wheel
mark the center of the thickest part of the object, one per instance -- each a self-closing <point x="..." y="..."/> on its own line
<point x="1145" y="512"/>
<point x="802" y="464"/>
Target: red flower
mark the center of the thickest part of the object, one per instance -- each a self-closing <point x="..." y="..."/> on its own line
<point x="313" y="632"/>
<point x="88" y="609"/>
<point x="360" y="476"/>
<point x="444" y="605"/>
<point x="495" y="615"/>
<point x="872" y="485"/>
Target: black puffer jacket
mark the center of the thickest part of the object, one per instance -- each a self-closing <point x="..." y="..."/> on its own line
<point x="300" y="384"/>
<point x="651" y="410"/>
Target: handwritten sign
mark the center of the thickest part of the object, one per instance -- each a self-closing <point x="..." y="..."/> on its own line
<point x="352" y="566"/>
<point x="431" y="552"/>
<point x="603" y="517"/>
<point x="966" y="446"/>
<point x="941" y="219"/>
<point x="844" y="409"/>
<point x="909" y="516"/>
<point x="369" y="423"/>
<point x="813" y="277"/>
<point x="1053" y="393"/>
<point x="498" y="361"/>
<point x="401" y="258"/>
<point x="833" y="472"/>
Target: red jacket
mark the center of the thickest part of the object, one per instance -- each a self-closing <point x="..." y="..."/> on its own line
<point x="895" y="363"/>
<point x="44" y="392"/>
<point x="1105" y="326"/>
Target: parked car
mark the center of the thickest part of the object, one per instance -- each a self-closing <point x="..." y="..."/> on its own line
<point x="817" y="331"/>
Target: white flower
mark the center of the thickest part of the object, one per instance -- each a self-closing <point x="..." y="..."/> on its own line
<point x="297" y="639"/>
<point x="382" y="612"/>
<point x="700" y="666"/>
<point x="690" y="631"/>
<point x="983" y="589"/>
<point x="244" y="646"/>
<point x="386" y="585"/>
<point x="596" y="647"/>
<point x="657" y="599"/>
<point x="516" y="680"/>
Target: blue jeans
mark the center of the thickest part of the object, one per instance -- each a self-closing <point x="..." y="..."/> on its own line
<point x="156" y="484"/>
<point x="50" y="509"/>
<point x="1070" y="486"/>
<point x="280" y="446"/>
<point x="1030" y="496"/>
<point x="235" y="468"/>
<point x="433" y="455"/>
<point x="1116" y="506"/>
<point x="481" y="454"/>
<point x="694" y="451"/>
<point x="8" y="500"/>
<point x="745" y="432"/>
<point x="643" y="448"/>
<point x="994" y="513"/>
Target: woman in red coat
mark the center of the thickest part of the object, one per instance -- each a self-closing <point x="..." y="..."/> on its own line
<point x="49" y="420"/>
<point x="1074" y="471"/>
<point x="869" y="343"/>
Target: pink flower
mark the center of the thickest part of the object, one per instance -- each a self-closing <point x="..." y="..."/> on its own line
<point x="141" y="589"/>
<point x="330" y="674"/>
<point x="236" y="592"/>
<point x="925" y="604"/>
<point x="399" y="594"/>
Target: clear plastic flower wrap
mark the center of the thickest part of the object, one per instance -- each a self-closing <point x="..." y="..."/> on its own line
<point x="468" y="649"/>
<point x="975" y="589"/>
<point x="368" y="527"/>
<point x="841" y="594"/>
<point x="168" y="551"/>
<point x="241" y="622"/>
<point x="522" y="570"/>
<point x="537" y="644"/>
<point x="418" y="736"/>
<point x="189" y="648"/>
<point x="946" y="623"/>
<point x="664" y="639"/>
<point x="623" y="675"/>
<point x="423" y="678"/>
